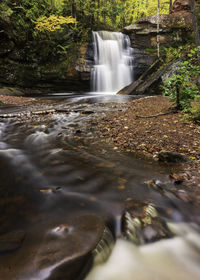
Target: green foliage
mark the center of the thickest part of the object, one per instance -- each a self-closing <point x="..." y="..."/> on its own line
<point x="181" y="87"/>
<point x="113" y="14"/>
<point x="172" y="53"/>
<point x="194" y="113"/>
<point x="90" y="14"/>
<point x="5" y="12"/>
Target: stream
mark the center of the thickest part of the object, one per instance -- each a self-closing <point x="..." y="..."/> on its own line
<point x="68" y="200"/>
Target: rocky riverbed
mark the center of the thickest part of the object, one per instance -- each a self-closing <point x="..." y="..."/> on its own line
<point x="66" y="192"/>
<point x="151" y="128"/>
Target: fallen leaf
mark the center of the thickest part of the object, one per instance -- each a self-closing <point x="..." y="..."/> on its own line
<point x="122" y="187"/>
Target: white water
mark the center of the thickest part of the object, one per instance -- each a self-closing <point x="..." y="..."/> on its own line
<point x="113" y="57"/>
<point x="170" y="259"/>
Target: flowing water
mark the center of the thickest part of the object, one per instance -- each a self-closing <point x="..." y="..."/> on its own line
<point x="61" y="185"/>
<point x="113" y="69"/>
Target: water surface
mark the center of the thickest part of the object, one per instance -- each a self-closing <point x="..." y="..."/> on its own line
<point x="54" y="170"/>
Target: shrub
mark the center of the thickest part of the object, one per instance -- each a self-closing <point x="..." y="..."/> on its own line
<point x="181" y="87"/>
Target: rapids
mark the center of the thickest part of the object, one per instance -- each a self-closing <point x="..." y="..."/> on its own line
<point x="60" y="186"/>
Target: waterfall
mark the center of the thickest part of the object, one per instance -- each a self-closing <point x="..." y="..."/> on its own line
<point x="113" y="61"/>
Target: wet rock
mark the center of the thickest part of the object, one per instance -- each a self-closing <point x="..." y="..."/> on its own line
<point x="11" y="241"/>
<point x="141" y="224"/>
<point x="88" y="112"/>
<point x="181" y="177"/>
<point x="78" y="131"/>
<point x="67" y="249"/>
<point x="156" y="185"/>
<point x="182" y="195"/>
<point x="171" y="157"/>
<point x="177" y="178"/>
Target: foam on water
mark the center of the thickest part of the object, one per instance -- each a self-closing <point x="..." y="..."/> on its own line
<point x="177" y="258"/>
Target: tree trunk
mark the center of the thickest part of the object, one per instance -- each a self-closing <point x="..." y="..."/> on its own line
<point x="158" y="28"/>
<point x="195" y="27"/>
<point x="73" y="9"/>
<point x="170" y="6"/>
<point x="178" y="105"/>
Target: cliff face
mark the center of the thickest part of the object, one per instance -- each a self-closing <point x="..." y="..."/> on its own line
<point x="69" y="74"/>
<point x="43" y="63"/>
<point x="175" y="28"/>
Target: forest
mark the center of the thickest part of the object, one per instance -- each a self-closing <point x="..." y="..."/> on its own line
<point x="99" y="139"/>
<point x="66" y="22"/>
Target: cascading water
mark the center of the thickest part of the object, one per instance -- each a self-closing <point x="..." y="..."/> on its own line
<point x="113" y="61"/>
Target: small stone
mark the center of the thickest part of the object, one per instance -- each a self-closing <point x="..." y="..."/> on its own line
<point x="78" y="131"/>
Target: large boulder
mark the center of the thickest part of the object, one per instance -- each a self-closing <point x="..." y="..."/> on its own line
<point x="66" y="251"/>
<point x="142" y="224"/>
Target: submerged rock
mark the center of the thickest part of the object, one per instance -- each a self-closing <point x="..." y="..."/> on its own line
<point x="66" y="251"/>
<point x="11" y="241"/>
<point x="171" y="157"/>
<point x="141" y="224"/>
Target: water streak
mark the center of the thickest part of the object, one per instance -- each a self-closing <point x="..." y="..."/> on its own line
<point x="113" y="69"/>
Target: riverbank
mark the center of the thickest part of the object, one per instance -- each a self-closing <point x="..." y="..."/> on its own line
<point x="149" y="128"/>
<point x="16" y="100"/>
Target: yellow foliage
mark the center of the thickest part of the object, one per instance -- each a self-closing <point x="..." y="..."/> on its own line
<point x="53" y="23"/>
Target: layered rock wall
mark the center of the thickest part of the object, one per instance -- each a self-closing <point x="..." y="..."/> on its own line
<point x="175" y="29"/>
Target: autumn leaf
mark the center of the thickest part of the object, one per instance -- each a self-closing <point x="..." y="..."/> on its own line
<point x="122" y="187"/>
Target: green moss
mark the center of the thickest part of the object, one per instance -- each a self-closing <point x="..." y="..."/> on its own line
<point x="11" y="91"/>
<point x="151" y="51"/>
